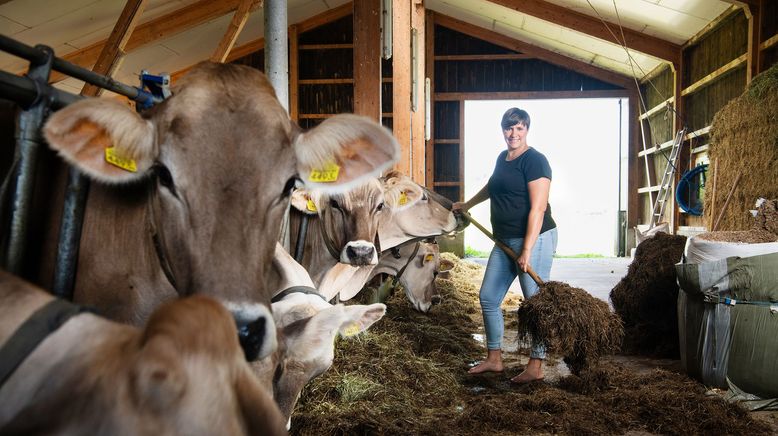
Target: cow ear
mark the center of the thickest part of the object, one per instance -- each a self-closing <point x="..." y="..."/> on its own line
<point x="446" y="265"/>
<point x="102" y="138"/>
<point x="343" y="151"/>
<point x="402" y="196"/>
<point x="158" y="379"/>
<point x="360" y="317"/>
<point x="259" y="411"/>
<point x="304" y="201"/>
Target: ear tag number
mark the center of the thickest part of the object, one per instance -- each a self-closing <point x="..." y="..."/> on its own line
<point x="113" y="158"/>
<point x="403" y="198"/>
<point x="327" y="174"/>
<point x="310" y="205"/>
<point x="351" y="330"/>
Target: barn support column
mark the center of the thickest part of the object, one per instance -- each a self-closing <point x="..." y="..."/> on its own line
<point x="401" y="80"/>
<point x="276" y="49"/>
<point x="28" y="145"/>
<point x="418" y="155"/>
<point x="632" y="168"/>
<point x="367" y="59"/>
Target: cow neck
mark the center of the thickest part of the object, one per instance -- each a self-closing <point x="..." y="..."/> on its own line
<point x="157" y="240"/>
<point x="396" y="254"/>
<point x="328" y="242"/>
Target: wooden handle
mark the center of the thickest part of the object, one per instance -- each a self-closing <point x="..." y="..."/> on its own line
<point x="504" y="247"/>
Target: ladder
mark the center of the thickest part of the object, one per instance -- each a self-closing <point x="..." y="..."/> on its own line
<point x="667" y="179"/>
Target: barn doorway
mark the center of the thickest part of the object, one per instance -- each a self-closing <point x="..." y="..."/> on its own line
<point x="585" y="141"/>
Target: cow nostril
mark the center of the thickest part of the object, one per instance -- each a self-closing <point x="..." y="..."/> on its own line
<point x="436" y="299"/>
<point x="359" y="251"/>
<point x="251" y="337"/>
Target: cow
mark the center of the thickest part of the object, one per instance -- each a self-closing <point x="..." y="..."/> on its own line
<point x="308" y="326"/>
<point x="415" y="266"/>
<point x="413" y="212"/>
<point x="184" y="373"/>
<point x="190" y="195"/>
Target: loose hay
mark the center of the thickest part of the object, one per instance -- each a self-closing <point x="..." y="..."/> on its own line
<point x="571" y="323"/>
<point x="395" y="380"/>
<point x="646" y="297"/>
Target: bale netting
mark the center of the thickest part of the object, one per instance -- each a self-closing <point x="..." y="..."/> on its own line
<point x="405" y="376"/>
<point x="744" y="142"/>
<point x="572" y="323"/>
<point x="646" y="298"/>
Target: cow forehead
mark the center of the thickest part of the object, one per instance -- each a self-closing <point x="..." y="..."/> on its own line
<point x="361" y="197"/>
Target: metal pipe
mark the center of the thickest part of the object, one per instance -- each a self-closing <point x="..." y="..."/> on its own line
<point x="299" y="246"/>
<point x="70" y="234"/>
<point x="35" y="55"/>
<point x="24" y="91"/>
<point x="28" y="144"/>
<point x="276" y="49"/>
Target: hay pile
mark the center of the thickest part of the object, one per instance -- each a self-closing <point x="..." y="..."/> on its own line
<point x="408" y="375"/>
<point x="646" y="297"/>
<point x="571" y="323"/>
<point x="744" y="140"/>
<point x="766" y="217"/>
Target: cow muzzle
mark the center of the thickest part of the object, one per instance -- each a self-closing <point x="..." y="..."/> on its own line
<point x="256" y="330"/>
<point x="359" y="253"/>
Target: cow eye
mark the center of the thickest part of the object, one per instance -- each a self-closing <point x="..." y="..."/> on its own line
<point x="334" y="204"/>
<point x="165" y="178"/>
<point x="380" y="206"/>
<point x="289" y="187"/>
<point x="424" y="196"/>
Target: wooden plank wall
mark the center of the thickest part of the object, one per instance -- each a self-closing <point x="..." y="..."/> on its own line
<point x="713" y="71"/>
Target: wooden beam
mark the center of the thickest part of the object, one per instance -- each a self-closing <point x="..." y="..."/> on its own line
<point x="294" y="72"/>
<point x="538" y="52"/>
<point x="113" y="51"/>
<point x="754" y="64"/>
<point x="418" y="156"/>
<point x="163" y="27"/>
<point x="657" y="108"/>
<point x="401" y="85"/>
<point x="233" y="30"/>
<point x="679" y="117"/>
<point x="714" y="75"/>
<point x="595" y="27"/>
<point x="531" y="95"/>
<point x="633" y="173"/>
<point x="325" y="46"/>
<point x="367" y="59"/>
<point x="742" y="2"/>
<point x="486" y="57"/>
<point x="769" y="42"/>
<point x="710" y="26"/>
<point x="429" y="71"/>
<point x="325" y="17"/>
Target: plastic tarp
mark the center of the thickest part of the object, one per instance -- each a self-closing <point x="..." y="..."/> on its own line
<point x="728" y="326"/>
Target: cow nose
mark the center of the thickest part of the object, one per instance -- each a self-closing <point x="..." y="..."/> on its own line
<point x="360" y="254"/>
<point x="436" y="299"/>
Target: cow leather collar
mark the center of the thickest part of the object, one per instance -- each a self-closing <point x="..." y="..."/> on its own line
<point x="156" y="239"/>
<point x="296" y="289"/>
<point x="35" y="329"/>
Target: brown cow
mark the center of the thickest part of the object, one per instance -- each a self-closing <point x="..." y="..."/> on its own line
<point x="183" y="374"/>
<point x="192" y="193"/>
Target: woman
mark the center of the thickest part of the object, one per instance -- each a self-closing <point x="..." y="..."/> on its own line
<point x="521" y="218"/>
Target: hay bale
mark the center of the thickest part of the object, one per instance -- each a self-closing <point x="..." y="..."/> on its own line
<point x="571" y="323"/>
<point x="646" y="297"/>
<point x="744" y="140"/>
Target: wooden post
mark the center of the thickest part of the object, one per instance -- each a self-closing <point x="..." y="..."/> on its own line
<point x="113" y="50"/>
<point x="633" y="182"/>
<point x="401" y="81"/>
<point x="233" y="30"/>
<point x="367" y="58"/>
<point x="418" y="156"/>
<point x="429" y="60"/>
<point x="294" y="72"/>
<point x="678" y="124"/>
<point x="754" y="14"/>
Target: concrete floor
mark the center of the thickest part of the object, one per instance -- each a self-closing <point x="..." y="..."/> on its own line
<point x="596" y="276"/>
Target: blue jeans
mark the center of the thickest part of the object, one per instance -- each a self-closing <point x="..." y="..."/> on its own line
<point x="500" y="273"/>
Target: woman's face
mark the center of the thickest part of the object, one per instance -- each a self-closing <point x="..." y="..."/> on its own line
<point x="515" y="136"/>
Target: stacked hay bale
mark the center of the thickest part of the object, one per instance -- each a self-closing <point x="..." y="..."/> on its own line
<point x="646" y="297"/>
<point x="744" y="141"/>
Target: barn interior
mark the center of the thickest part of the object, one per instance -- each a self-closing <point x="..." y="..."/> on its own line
<point x="698" y="83"/>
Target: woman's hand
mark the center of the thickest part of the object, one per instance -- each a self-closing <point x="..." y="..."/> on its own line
<point x="459" y="206"/>
<point x="523" y="260"/>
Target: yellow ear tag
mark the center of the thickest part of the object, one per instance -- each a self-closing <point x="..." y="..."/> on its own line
<point x="429" y="257"/>
<point x="310" y="205"/>
<point x="122" y="162"/>
<point x="327" y="174"/>
<point x="351" y="330"/>
<point x="403" y="198"/>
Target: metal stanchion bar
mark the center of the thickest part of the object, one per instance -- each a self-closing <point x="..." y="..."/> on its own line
<point x="25" y="91"/>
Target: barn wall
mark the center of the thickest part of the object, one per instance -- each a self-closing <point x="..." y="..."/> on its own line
<point x="712" y="72"/>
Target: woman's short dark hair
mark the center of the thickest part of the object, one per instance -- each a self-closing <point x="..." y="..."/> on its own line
<point x="514" y="116"/>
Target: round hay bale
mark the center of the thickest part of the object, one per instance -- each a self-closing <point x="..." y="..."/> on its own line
<point x="646" y="297"/>
<point x="571" y="323"/>
<point x="744" y="140"/>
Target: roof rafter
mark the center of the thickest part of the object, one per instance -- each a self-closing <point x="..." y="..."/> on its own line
<point x="165" y="26"/>
<point x="233" y="30"/>
<point x="591" y="26"/>
<point x="541" y="53"/>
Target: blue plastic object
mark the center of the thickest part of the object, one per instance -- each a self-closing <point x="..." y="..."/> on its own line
<point x="689" y="193"/>
<point x="153" y="87"/>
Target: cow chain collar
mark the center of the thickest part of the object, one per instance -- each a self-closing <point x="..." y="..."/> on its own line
<point x="296" y="289"/>
<point x="164" y="263"/>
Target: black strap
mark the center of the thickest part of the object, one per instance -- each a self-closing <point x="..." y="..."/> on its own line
<point x="296" y="289"/>
<point x="32" y="332"/>
<point x="410" y="259"/>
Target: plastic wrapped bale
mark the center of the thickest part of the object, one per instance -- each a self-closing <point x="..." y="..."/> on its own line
<point x="571" y="323"/>
<point x="728" y="317"/>
<point x="646" y="297"/>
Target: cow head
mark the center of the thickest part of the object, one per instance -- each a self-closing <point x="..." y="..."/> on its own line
<point x="417" y="212"/>
<point x="220" y="158"/>
<point x="349" y="221"/>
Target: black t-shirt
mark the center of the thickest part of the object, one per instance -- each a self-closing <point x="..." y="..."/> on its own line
<point x="509" y="193"/>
